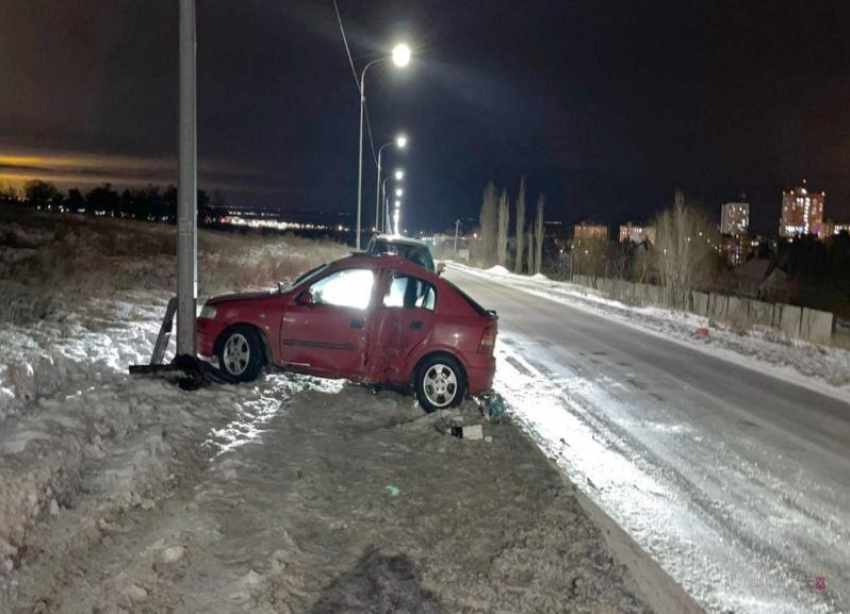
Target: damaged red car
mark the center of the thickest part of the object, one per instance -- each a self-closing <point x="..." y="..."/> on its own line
<point x="378" y="320"/>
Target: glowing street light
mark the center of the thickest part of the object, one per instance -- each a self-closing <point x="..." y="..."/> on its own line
<point x="399" y="175"/>
<point x="397" y="204"/>
<point x="399" y="192"/>
<point x="401" y="55"/>
<point x="401" y="58"/>
<point x="400" y="142"/>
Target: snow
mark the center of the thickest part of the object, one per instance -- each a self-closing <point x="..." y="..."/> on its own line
<point x="823" y="369"/>
<point x="287" y="494"/>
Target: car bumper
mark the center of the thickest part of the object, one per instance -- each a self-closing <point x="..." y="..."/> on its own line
<point x="207" y="332"/>
<point x="480" y="369"/>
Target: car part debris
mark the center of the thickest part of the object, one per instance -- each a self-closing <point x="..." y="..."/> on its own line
<point x="493" y="407"/>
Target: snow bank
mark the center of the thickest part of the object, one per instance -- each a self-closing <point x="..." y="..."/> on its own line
<point x="82" y="300"/>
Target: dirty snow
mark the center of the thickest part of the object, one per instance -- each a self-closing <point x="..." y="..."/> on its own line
<point x="288" y="495"/>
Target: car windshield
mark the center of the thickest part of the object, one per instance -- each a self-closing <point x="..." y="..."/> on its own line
<point x="302" y="278"/>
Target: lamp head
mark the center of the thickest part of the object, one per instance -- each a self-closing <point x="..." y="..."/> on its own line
<point x="401" y="55"/>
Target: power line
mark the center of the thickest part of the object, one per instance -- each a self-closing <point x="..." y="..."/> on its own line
<point x="347" y="50"/>
<point x="356" y="81"/>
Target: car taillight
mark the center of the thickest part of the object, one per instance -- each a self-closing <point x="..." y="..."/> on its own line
<point x="488" y="340"/>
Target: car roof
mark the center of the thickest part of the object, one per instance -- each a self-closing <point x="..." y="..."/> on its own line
<point x="400" y="239"/>
<point x="384" y="261"/>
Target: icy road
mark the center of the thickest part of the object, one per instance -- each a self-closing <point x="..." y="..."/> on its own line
<point x="736" y="482"/>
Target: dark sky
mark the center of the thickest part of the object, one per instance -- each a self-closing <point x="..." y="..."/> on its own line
<point x="606" y="106"/>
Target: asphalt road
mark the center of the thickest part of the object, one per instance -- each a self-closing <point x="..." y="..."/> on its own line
<point x="735" y="481"/>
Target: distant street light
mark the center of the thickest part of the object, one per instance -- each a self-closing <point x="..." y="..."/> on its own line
<point x="400" y="142"/>
<point x="386" y="199"/>
<point x="401" y="58"/>
<point x="399" y="192"/>
<point x="399" y="175"/>
<point x="397" y="204"/>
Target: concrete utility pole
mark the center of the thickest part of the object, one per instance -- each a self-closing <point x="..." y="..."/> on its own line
<point x="187" y="186"/>
<point x="457" y="228"/>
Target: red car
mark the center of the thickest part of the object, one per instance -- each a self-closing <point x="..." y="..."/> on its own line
<point x="370" y="319"/>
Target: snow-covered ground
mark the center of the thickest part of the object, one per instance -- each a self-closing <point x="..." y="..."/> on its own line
<point x="824" y="369"/>
<point x="288" y="495"/>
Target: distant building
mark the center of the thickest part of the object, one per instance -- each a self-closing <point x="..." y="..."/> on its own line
<point x="636" y="233"/>
<point x="734" y="219"/>
<point x="585" y="231"/>
<point x="830" y="229"/>
<point x="737" y="249"/>
<point x="802" y="212"/>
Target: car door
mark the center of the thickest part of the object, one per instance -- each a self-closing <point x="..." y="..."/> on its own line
<point x="325" y="330"/>
<point x="407" y="318"/>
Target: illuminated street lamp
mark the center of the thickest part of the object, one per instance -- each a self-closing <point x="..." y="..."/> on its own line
<point x="401" y="55"/>
<point x="398" y="176"/>
<point x="401" y="142"/>
<point x="399" y="192"/>
<point x="401" y="58"/>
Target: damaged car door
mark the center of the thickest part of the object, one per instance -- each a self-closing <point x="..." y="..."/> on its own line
<point x="325" y="329"/>
<point x="407" y="318"/>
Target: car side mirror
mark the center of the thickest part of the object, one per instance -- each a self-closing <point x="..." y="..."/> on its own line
<point x="440" y="268"/>
<point x="304" y="299"/>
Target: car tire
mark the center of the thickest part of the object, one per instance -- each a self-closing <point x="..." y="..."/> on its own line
<point x="241" y="353"/>
<point x="440" y="383"/>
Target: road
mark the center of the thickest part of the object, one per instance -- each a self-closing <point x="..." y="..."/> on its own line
<point x="736" y="482"/>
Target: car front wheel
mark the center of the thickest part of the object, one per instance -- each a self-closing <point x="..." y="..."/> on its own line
<point x="440" y="383"/>
<point x="240" y="353"/>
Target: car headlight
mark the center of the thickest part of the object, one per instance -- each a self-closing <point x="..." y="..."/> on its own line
<point x="208" y="312"/>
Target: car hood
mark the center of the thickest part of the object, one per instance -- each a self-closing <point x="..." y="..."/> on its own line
<point x="244" y="296"/>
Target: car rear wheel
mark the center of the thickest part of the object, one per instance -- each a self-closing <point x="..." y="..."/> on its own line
<point x="440" y="383"/>
<point x="240" y="353"/>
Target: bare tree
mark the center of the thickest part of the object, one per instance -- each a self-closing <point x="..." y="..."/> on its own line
<point x="538" y="259"/>
<point x="504" y="222"/>
<point x="520" y="226"/>
<point x="488" y="221"/>
<point x="531" y="251"/>
<point x="685" y="250"/>
<point x="8" y="192"/>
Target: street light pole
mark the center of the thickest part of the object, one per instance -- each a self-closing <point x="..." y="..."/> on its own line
<point x="360" y="153"/>
<point x="378" y="188"/>
<point x="187" y="191"/>
<point x="457" y="228"/>
<point x="384" y="194"/>
<point x="401" y="58"/>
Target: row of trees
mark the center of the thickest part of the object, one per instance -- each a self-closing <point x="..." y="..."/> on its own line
<point x="151" y="203"/>
<point x="685" y="255"/>
<point x="494" y="227"/>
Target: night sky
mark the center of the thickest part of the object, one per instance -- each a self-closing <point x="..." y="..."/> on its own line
<point x="605" y="106"/>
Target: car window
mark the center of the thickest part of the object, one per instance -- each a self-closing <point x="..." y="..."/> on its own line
<point x="346" y="288"/>
<point x="410" y="292"/>
<point x="417" y="254"/>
